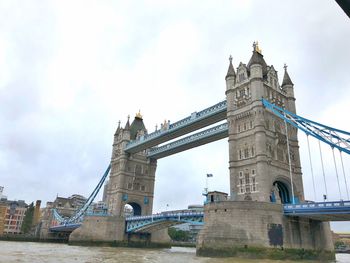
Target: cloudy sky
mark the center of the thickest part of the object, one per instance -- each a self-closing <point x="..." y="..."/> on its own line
<point x="70" y="70"/>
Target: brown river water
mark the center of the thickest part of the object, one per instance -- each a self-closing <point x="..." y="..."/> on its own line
<point x="62" y="253"/>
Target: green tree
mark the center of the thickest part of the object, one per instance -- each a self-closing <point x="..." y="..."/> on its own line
<point x="178" y="235"/>
<point x="28" y="219"/>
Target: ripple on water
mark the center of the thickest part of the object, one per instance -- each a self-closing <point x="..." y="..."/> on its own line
<point x="28" y="252"/>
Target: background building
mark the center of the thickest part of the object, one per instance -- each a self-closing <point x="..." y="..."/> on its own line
<point x="11" y="216"/>
<point x="1" y="193"/>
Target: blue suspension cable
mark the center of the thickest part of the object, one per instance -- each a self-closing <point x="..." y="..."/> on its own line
<point x="346" y="183"/>
<point x="79" y="214"/>
<point x="324" y="176"/>
<point x="334" y="137"/>
<point x="336" y="172"/>
<point x="312" y="170"/>
<point x="290" y="164"/>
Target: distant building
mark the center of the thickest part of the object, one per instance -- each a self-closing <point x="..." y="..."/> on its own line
<point x="192" y="229"/>
<point x="2" y="197"/>
<point x="99" y="208"/>
<point x="67" y="206"/>
<point x="37" y="213"/>
<point x="11" y="216"/>
<point x="105" y="189"/>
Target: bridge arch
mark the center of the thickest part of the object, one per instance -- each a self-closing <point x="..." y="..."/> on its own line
<point x="281" y="191"/>
<point x="132" y="209"/>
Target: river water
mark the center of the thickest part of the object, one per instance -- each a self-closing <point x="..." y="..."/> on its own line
<point x="62" y="253"/>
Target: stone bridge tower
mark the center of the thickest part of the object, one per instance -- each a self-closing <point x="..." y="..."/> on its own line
<point x="258" y="156"/>
<point x="132" y="176"/>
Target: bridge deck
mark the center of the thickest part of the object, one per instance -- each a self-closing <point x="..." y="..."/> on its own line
<point x="323" y="211"/>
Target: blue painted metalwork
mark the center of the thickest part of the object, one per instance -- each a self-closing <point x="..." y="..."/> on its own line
<point x="334" y="137"/>
<point x="78" y="215"/>
<point x="142" y="223"/>
<point x="216" y="113"/>
<point x="202" y="137"/>
<point x="65" y="227"/>
<point x="319" y="208"/>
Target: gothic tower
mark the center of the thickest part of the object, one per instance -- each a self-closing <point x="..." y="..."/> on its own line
<point x="132" y="176"/>
<point x="258" y="155"/>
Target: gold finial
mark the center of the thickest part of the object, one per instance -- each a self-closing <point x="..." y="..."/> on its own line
<point x="256" y="47"/>
<point x="138" y="115"/>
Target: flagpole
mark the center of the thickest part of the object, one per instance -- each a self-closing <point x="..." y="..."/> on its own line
<point x="206" y="184"/>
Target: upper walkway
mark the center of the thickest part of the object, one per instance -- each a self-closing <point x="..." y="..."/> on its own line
<point x="209" y="135"/>
<point x="195" y="121"/>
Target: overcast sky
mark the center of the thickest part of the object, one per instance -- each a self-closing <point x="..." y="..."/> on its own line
<point x="70" y="70"/>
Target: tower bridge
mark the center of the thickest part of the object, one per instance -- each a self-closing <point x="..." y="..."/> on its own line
<point x="266" y="187"/>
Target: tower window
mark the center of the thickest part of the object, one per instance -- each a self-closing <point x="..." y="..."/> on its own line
<point x="247" y="179"/>
<point x="241" y="77"/>
<point x="241" y="93"/>
<point x="246" y="153"/>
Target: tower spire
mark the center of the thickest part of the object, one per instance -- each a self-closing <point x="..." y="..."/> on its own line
<point x="286" y="78"/>
<point x="127" y="125"/>
<point x="231" y="71"/>
<point x="118" y="129"/>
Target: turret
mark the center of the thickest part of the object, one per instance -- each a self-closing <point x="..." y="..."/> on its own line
<point x="288" y="88"/>
<point x="137" y="127"/>
<point x="257" y="64"/>
<point x="230" y="76"/>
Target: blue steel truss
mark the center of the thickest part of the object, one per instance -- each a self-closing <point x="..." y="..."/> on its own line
<point x="78" y="215"/>
<point x="65" y="227"/>
<point x="143" y="223"/>
<point x="194" y="140"/>
<point x="334" y="137"/>
<point x="325" y="211"/>
<point x="191" y="123"/>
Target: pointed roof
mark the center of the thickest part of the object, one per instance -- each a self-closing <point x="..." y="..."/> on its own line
<point x="118" y="129"/>
<point x="136" y="126"/>
<point x="286" y="78"/>
<point x="258" y="58"/>
<point x="127" y="125"/>
<point x="231" y="71"/>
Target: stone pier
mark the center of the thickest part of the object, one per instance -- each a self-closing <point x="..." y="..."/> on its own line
<point x="260" y="230"/>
